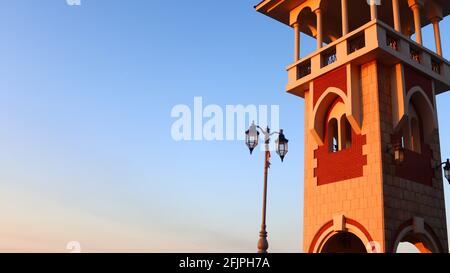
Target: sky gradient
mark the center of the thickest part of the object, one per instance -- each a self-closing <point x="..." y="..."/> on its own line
<point x="87" y="155"/>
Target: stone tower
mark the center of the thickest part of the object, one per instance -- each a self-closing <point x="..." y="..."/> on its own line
<point x="372" y="155"/>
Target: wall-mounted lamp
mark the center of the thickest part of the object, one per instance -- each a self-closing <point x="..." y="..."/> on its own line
<point x="399" y="153"/>
<point x="446" y="165"/>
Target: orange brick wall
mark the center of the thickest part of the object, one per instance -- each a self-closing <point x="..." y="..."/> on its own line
<point x="336" y="78"/>
<point x="357" y="198"/>
<point x="346" y="164"/>
<point x="379" y="200"/>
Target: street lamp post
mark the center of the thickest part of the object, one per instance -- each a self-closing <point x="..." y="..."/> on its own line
<point x="251" y="139"/>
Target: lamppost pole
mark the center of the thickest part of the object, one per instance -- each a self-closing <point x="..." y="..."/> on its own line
<point x="251" y="139"/>
<point x="263" y="244"/>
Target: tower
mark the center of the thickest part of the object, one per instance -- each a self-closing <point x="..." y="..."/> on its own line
<point x="371" y="176"/>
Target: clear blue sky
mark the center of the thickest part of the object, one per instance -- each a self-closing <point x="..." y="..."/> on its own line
<point x="85" y="127"/>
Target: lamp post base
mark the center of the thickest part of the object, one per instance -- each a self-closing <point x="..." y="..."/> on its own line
<point x="263" y="244"/>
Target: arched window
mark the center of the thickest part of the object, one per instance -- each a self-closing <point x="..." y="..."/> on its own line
<point x="411" y="133"/>
<point x="333" y="135"/>
<point x="339" y="130"/>
<point x="346" y="133"/>
<point x="415" y="136"/>
<point x="414" y="123"/>
<point x="405" y="139"/>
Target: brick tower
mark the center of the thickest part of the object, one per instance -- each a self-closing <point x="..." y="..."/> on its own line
<point x="372" y="155"/>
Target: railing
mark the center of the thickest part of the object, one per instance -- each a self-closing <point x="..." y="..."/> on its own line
<point x="329" y="57"/>
<point x="304" y="69"/>
<point x="415" y="55"/>
<point x="371" y="37"/>
<point x="436" y="66"/>
<point x="356" y="43"/>
<point x="392" y="42"/>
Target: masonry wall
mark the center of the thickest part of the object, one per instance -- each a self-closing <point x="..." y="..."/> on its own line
<point x="382" y="200"/>
<point x="405" y="199"/>
<point x="360" y="198"/>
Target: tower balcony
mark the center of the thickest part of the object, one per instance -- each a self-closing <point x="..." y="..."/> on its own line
<point x="374" y="40"/>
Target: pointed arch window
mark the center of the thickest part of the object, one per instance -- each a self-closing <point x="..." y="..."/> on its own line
<point x="346" y="132"/>
<point x="416" y="128"/>
<point x="339" y="130"/>
<point x="415" y="136"/>
<point x="412" y="131"/>
<point x="333" y="135"/>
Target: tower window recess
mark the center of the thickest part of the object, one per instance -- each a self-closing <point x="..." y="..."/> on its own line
<point x="333" y="136"/>
<point x="346" y="132"/>
<point x="411" y="137"/>
<point x="415" y="135"/>
<point x="339" y="130"/>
